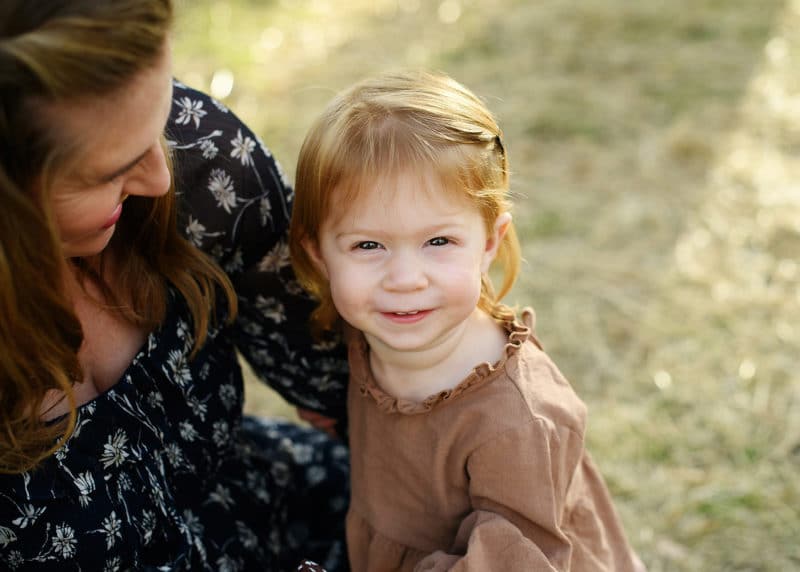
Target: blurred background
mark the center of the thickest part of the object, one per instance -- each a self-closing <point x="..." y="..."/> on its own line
<point x="655" y="149"/>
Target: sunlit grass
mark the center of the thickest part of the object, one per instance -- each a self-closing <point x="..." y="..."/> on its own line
<point x="655" y="155"/>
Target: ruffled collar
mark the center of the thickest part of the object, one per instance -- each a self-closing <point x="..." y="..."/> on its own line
<point x="519" y="331"/>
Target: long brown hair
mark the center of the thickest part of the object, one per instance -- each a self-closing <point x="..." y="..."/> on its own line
<point x="64" y="51"/>
<point x="384" y="126"/>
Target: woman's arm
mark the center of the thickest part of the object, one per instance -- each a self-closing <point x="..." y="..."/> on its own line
<point x="236" y="205"/>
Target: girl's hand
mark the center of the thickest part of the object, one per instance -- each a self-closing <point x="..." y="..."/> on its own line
<point x="319" y="421"/>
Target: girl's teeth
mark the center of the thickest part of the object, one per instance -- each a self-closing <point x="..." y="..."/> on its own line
<point x="407" y="313"/>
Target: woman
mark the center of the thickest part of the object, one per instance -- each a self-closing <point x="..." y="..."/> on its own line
<point x="123" y="302"/>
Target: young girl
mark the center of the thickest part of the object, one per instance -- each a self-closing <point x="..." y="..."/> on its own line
<point x="467" y="443"/>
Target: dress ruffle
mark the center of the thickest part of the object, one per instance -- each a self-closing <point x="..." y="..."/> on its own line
<point x="483" y="373"/>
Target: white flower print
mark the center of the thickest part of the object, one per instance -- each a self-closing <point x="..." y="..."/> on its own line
<point x="271" y="308"/>
<point x="226" y="563"/>
<point x="302" y="453"/>
<point x="7" y="536"/>
<point x="280" y="472"/>
<point x="113" y="565"/>
<point x="115" y="451"/>
<point x="192" y="523"/>
<point x="315" y="474"/>
<point x="217" y="252"/>
<point x="182" y="329"/>
<point x="86" y="486"/>
<point x="64" y="541"/>
<point x="29" y="515"/>
<point x="236" y="262"/>
<point x="243" y="147"/>
<point x="179" y="369"/>
<point x="324" y="383"/>
<point x="190" y="110"/>
<point x="195" y="231"/>
<point x="156" y="490"/>
<point x="15" y="559"/>
<point x="228" y="395"/>
<point x="339" y="452"/>
<point x="257" y="483"/>
<point x="61" y="453"/>
<point x="221" y="434"/>
<point x="222" y="495"/>
<point x="263" y="358"/>
<point x="247" y="537"/>
<point x="208" y="148"/>
<point x="156" y="400"/>
<point x="276" y="259"/>
<point x="174" y="454"/>
<point x="338" y="503"/>
<point x="293" y="288"/>
<point x="124" y="482"/>
<point x="187" y="431"/>
<point x="253" y="329"/>
<point x="148" y="526"/>
<point x="198" y="407"/>
<point x="112" y="527"/>
<point x="221" y="186"/>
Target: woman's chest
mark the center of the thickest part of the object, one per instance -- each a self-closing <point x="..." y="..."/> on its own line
<point x="109" y="346"/>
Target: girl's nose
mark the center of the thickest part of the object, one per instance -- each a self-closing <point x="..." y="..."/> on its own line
<point x="151" y="177"/>
<point x="404" y="272"/>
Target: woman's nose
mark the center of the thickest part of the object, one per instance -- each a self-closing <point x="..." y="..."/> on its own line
<point x="404" y="272"/>
<point x="151" y="177"/>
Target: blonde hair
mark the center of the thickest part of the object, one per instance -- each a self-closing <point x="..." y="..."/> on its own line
<point x="54" y="51"/>
<point x="383" y="127"/>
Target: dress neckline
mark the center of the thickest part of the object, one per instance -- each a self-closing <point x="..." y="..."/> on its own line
<point x="519" y="331"/>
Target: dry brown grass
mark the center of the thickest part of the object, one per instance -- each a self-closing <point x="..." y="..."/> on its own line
<point x="655" y="153"/>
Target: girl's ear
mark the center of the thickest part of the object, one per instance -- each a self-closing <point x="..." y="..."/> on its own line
<point x="312" y="249"/>
<point x="494" y="240"/>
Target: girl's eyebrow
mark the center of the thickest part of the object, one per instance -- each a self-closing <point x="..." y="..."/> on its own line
<point x="434" y="229"/>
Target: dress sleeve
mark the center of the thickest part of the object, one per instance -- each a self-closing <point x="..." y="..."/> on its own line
<point x="234" y="204"/>
<point x="518" y="488"/>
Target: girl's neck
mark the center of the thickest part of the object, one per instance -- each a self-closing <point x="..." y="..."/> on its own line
<point x="417" y="375"/>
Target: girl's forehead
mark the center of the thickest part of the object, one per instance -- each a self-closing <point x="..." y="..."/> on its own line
<point x="404" y="193"/>
<point x="423" y="185"/>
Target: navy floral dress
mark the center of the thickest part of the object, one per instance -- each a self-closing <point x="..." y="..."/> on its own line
<point x="163" y="471"/>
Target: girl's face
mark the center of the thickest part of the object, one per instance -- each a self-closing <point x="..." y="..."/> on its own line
<point x="120" y="154"/>
<point x="405" y="261"/>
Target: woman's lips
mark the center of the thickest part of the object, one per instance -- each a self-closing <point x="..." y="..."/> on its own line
<point x="114" y="217"/>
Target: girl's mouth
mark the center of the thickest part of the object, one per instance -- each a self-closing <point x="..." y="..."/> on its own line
<point x="407" y="317"/>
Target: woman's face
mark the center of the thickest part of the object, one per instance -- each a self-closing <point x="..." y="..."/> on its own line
<point x="118" y="140"/>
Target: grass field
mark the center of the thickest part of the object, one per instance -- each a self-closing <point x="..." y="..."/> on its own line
<point x="656" y="156"/>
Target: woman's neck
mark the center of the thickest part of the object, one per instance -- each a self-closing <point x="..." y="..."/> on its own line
<point x="416" y="375"/>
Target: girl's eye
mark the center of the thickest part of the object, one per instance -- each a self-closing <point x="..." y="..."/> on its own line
<point x="439" y="241"/>
<point x="367" y="245"/>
